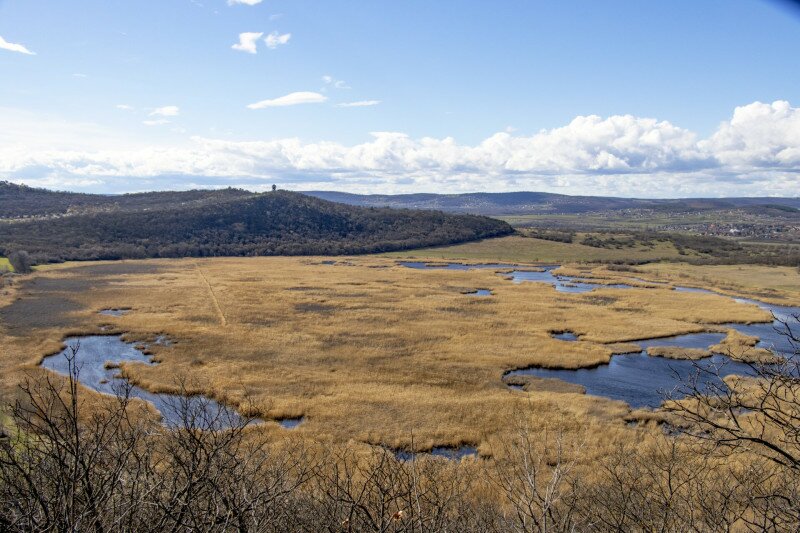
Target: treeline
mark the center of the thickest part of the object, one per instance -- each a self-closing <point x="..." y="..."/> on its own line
<point x="276" y="223"/>
<point x="550" y="235"/>
<point x="700" y="249"/>
<point x="21" y="201"/>
<point x="729" y="462"/>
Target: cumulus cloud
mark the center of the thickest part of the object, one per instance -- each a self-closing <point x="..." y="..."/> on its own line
<point x="755" y="153"/>
<point x="247" y="41"/>
<point x="301" y="97"/>
<point x="244" y="2"/>
<point x="274" y="39"/>
<point x="14" y="47"/>
<point x="360" y="103"/>
<point x="759" y="135"/>
<point x="166" y="111"/>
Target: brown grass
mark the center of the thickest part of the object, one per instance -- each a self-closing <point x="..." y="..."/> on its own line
<point x="364" y="349"/>
<point x="774" y="284"/>
<point x="675" y="352"/>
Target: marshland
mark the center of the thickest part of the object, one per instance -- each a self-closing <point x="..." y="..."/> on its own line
<point x="374" y="355"/>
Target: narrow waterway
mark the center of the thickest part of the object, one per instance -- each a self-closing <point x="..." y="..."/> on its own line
<point x="638" y="378"/>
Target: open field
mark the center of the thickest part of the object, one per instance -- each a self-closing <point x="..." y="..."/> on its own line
<point x="364" y="349"/>
<point x="624" y="220"/>
<point x="516" y="248"/>
<point x="776" y="284"/>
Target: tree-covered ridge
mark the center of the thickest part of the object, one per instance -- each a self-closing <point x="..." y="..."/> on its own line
<point x="21" y="201"/>
<point x="275" y="223"/>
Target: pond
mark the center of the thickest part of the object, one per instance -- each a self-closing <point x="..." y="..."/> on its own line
<point x="480" y="292"/>
<point x="445" y="452"/>
<point x="637" y="379"/>
<point x="97" y="359"/>
<point x="565" y="336"/>
<point x="114" y="312"/>
<point x="291" y="423"/>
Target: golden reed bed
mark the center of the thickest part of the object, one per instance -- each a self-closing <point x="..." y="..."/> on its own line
<point x="364" y="349"/>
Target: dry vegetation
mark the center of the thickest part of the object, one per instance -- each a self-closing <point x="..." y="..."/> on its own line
<point x="364" y="349"/>
<point x="373" y="353"/>
<point x="774" y="284"/>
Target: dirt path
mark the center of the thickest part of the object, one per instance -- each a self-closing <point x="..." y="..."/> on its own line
<point x="214" y="300"/>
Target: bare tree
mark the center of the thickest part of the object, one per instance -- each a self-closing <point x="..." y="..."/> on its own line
<point x="110" y="467"/>
<point x="535" y="474"/>
<point x="754" y="419"/>
<point x="64" y="466"/>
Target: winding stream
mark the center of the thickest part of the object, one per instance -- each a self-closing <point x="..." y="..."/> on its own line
<point x="97" y="360"/>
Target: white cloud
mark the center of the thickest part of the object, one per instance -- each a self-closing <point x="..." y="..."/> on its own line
<point x="14" y="47"/>
<point x="755" y="153"/>
<point x="124" y="107"/>
<point x="156" y="122"/>
<point x="330" y="81"/>
<point x="247" y="41"/>
<point x="166" y="111"/>
<point x="244" y="2"/>
<point x="274" y="39"/>
<point x="360" y="103"/>
<point x="760" y="135"/>
<point x="301" y="97"/>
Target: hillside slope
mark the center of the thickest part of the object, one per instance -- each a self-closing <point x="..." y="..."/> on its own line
<point x="276" y="223"/>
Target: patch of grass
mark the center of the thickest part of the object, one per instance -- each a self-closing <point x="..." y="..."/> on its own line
<point x="776" y="284"/>
<point x="5" y="264"/>
<point x="518" y="249"/>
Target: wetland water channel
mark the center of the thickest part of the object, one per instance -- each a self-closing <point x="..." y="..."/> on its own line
<point x="97" y="361"/>
<point x="638" y="378"/>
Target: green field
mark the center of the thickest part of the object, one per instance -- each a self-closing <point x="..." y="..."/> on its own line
<point x="518" y="249"/>
<point x="5" y="264"/>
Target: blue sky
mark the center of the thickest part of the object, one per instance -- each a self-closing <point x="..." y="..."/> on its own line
<point x="628" y="98"/>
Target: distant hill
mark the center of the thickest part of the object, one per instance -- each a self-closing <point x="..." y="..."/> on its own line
<point x="219" y="223"/>
<point x="540" y="203"/>
<point x="18" y="201"/>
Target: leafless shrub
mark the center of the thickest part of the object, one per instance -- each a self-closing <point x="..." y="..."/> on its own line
<point x="752" y="420"/>
<point x="537" y="479"/>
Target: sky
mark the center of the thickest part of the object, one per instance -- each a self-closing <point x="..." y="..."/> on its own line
<point x="613" y="97"/>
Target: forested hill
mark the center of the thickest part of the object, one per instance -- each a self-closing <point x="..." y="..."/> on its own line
<point x="273" y="223"/>
<point x="20" y="201"/>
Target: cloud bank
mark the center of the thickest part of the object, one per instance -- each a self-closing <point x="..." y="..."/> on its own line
<point x="754" y="153"/>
